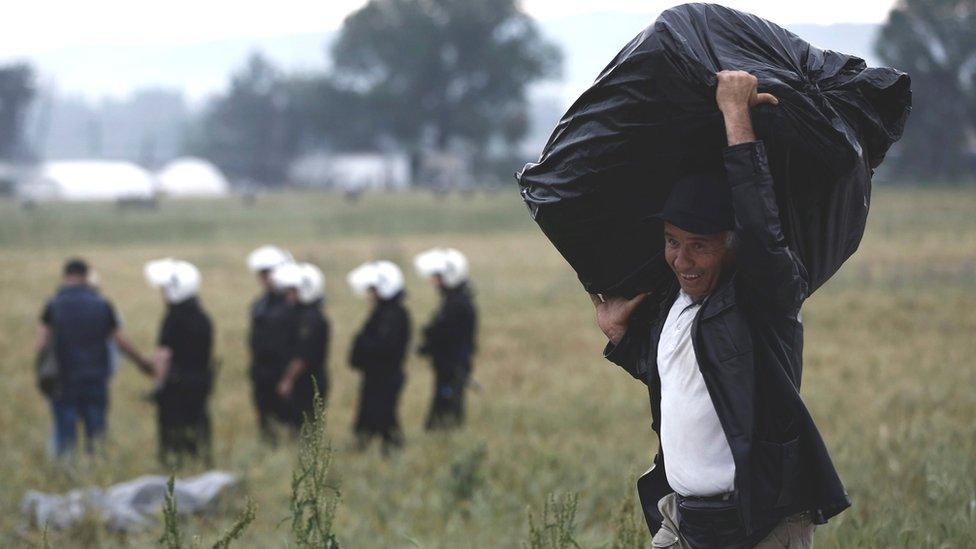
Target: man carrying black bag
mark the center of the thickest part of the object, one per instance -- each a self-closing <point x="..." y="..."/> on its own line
<point x="741" y="463"/>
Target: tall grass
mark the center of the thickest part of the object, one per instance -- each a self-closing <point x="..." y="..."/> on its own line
<point x="236" y="531"/>
<point x="313" y="501"/>
<point x="172" y="536"/>
<point x="467" y="474"/>
<point x="629" y="532"/>
<point x="556" y="528"/>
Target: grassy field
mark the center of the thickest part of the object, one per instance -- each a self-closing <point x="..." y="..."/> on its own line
<point x="889" y="373"/>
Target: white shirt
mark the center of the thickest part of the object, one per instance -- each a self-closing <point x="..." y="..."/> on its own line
<point x="697" y="457"/>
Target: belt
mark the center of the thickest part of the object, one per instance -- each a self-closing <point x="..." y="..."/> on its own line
<point x="728" y="497"/>
<point x="723" y="508"/>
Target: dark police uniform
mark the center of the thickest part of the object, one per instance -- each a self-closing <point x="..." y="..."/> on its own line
<point x="81" y="321"/>
<point x="273" y="342"/>
<point x="184" y="424"/>
<point x="313" y="349"/>
<point x="449" y="340"/>
<point x="378" y="352"/>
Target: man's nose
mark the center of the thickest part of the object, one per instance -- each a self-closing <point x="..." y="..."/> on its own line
<point x="681" y="262"/>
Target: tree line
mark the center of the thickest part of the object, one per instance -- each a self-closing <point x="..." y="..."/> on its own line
<point x="446" y="76"/>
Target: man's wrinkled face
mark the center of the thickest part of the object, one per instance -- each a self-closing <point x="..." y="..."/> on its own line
<point x="697" y="260"/>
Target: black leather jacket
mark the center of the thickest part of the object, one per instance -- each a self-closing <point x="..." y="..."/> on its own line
<point x="748" y="339"/>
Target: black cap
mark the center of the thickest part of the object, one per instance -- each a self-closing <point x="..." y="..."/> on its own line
<point x="76" y="266"/>
<point x="700" y="203"/>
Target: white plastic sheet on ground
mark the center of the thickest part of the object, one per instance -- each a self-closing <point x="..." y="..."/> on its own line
<point x="128" y="506"/>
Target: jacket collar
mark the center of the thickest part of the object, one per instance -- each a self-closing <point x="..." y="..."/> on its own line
<point x="721" y="298"/>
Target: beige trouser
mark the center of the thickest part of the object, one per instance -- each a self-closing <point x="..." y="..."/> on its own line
<point x="794" y="532"/>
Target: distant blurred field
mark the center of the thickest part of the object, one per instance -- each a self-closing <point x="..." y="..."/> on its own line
<point x="890" y="374"/>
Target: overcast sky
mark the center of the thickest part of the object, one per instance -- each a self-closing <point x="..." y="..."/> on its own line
<point x="109" y="48"/>
<point x="31" y="28"/>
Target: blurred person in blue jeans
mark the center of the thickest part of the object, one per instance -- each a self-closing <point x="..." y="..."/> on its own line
<point x="82" y="324"/>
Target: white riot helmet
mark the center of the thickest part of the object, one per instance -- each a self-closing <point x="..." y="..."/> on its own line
<point x="449" y="263"/>
<point x="266" y="258"/>
<point x="383" y="276"/>
<point x="312" y="287"/>
<point x="285" y="276"/>
<point x="179" y="280"/>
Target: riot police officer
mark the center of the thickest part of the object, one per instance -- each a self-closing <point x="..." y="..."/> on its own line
<point x="378" y="352"/>
<point x="271" y="340"/>
<point x="304" y="287"/>
<point x="449" y="337"/>
<point x="182" y="363"/>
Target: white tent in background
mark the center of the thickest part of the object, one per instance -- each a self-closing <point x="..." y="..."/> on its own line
<point x="191" y="177"/>
<point x="352" y="171"/>
<point x="88" y="180"/>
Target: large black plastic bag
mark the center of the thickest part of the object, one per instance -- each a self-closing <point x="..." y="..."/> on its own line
<point x="651" y="116"/>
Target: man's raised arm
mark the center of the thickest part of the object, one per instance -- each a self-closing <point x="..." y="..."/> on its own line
<point x="763" y="258"/>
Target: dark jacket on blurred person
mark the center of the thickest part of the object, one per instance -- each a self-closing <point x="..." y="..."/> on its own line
<point x="273" y="342"/>
<point x="748" y="340"/>
<point x="378" y="352"/>
<point x="81" y="321"/>
<point x="449" y="341"/>
<point x="184" y="423"/>
<point x="313" y="349"/>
